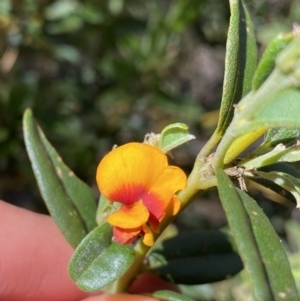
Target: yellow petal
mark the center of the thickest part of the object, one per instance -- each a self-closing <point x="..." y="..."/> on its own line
<point x="148" y="239"/>
<point x="128" y="171"/>
<point x="171" y="180"/>
<point x="129" y="217"/>
<point x="174" y="206"/>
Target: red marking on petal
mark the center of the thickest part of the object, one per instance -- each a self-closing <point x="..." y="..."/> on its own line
<point x="128" y="194"/>
<point x="125" y="171"/>
<point x="126" y="236"/>
<point x="154" y="222"/>
<point x="155" y="206"/>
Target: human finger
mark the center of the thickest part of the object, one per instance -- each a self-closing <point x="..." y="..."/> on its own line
<point x="149" y="283"/>
<point x="119" y="297"/>
<point x="34" y="258"/>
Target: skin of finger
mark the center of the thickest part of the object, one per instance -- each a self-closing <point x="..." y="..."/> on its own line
<point x="119" y="297"/>
<point x="34" y="258"/>
<point x="149" y="283"/>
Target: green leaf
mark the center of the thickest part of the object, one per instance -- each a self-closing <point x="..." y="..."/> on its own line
<point x="94" y="243"/>
<point x="282" y="110"/>
<point x="240" y="62"/>
<point x="174" y="135"/>
<point x="165" y="295"/>
<point x="288" y="60"/>
<point x="267" y="62"/>
<point x="106" y="268"/>
<point x="280" y="135"/>
<point x="278" y="111"/>
<point x="279" y="154"/>
<point x="191" y="244"/>
<point x="284" y="180"/>
<point x="51" y="187"/>
<point x="195" y="258"/>
<point x="274" y="187"/>
<point x="80" y="194"/>
<point x="240" y="226"/>
<point x="272" y="252"/>
<point x="256" y="238"/>
<point x="200" y="269"/>
<point x="275" y="105"/>
<point x="97" y="262"/>
<point x="283" y="167"/>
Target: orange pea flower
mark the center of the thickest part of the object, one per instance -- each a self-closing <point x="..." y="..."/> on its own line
<point x="138" y="176"/>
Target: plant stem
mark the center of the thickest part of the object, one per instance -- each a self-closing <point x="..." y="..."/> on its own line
<point x="210" y="145"/>
<point x="247" y="108"/>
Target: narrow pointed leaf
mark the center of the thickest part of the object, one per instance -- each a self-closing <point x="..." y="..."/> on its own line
<point x="272" y="257"/>
<point x="80" y="193"/>
<point x="281" y="135"/>
<point x="279" y="154"/>
<point x="240" y="62"/>
<point x="192" y="244"/>
<point x="291" y="169"/>
<point x="165" y="295"/>
<point x="283" y="167"/>
<point x="284" y="180"/>
<point x="200" y="269"/>
<point x="97" y="262"/>
<point x="272" y="252"/>
<point x="52" y="190"/>
<point x="267" y="62"/>
<point x="240" y="226"/>
<point x="290" y="199"/>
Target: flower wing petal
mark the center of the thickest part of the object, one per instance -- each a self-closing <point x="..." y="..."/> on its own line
<point x="129" y="217"/>
<point x="174" y="206"/>
<point x="171" y="180"/>
<point x="129" y="170"/>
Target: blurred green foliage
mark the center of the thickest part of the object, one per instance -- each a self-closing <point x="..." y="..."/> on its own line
<point x="95" y="73"/>
<point x="99" y="73"/>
